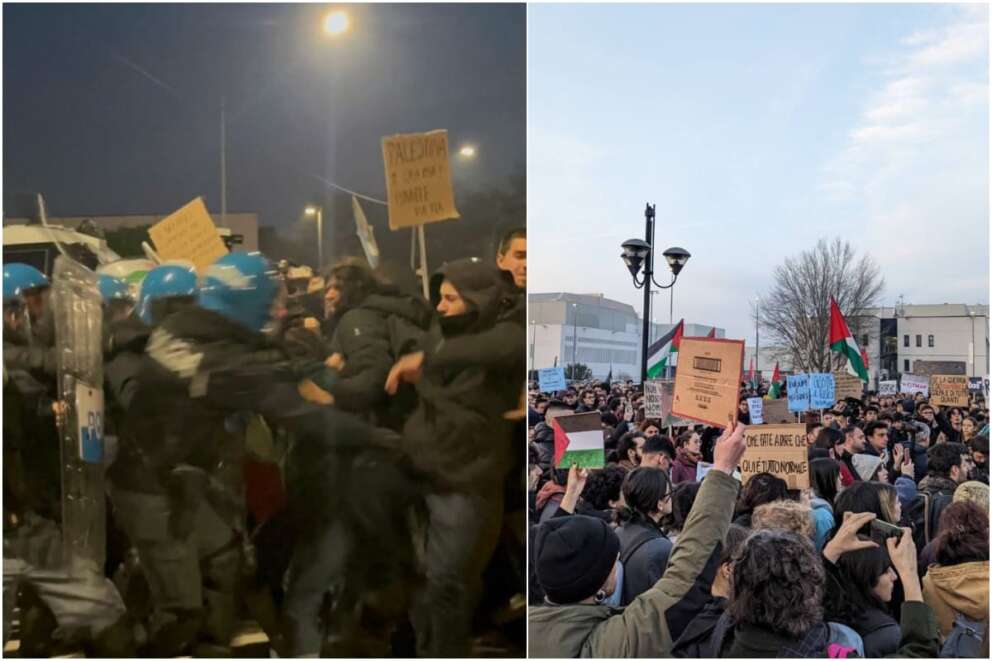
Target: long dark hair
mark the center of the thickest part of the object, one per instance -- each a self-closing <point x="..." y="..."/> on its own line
<point x="963" y="535"/>
<point x="851" y="593"/>
<point x="875" y="497"/>
<point x="824" y="473"/>
<point x="827" y="438"/>
<point x="642" y="489"/>
<point x="760" y="489"/>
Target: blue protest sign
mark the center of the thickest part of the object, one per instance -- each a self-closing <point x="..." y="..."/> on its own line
<point x="821" y="391"/>
<point x="798" y="388"/>
<point x="551" y="379"/>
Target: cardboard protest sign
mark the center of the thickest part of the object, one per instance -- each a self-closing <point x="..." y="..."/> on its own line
<point x="777" y="449"/>
<point x="418" y="179"/>
<point x="754" y="409"/>
<point x="846" y="385"/>
<point x="948" y="390"/>
<point x="821" y="391"/>
<point x="797" y="386"/>
<point x="911" y="383"/>
<point x="652" y="399"/>
<point x="579" y="439"/>
<point x="188" y="234"/>
<point x="551" y="379"/>
<point x="708" y="380"/>
<point x="777" y="412"/>
<point x="888" y="387"/>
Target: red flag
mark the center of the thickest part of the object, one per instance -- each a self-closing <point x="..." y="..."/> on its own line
<point x="712" y="333"/>
<point x="561" y="442"/>
<point x="776" y="377"/>
<point x="839" y="331"/>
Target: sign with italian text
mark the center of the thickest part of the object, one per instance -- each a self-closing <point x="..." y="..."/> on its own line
<point x="418" y="179"/>
<point x="777" y="449"/>
<point x="948" y="390"/>
<point x="797" y="385"/>
<point x="188" y="234"/>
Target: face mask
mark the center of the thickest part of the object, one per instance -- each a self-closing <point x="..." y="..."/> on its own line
<point x="458" y="324"/>
<point x="613" y="600"/>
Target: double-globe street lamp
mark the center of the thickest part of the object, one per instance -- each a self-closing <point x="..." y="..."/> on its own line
<point x="638" y="253"/>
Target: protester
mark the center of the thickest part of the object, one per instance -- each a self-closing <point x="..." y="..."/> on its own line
<point x="958" y="583"/>
<point x="979" y="447"/>
<point x="825" y="482"/>
<point x="687" y="456"/>
<point x="576" y="564"/>
<point x="760" y="489"/>
<point x="629" y="448"/>
<point x="657" y="452"/>
<point x="644" y="548"/>
<point x="783" y="515"/>
<point x="948" y="465"/>
<point x="975" y="492"/>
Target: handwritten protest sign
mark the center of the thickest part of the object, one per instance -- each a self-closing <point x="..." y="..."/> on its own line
<point x="888" y="387"/>
<point x="754" y="409"/>
<point x="777" y="412"/>
<point x="821" y="391"/>
<point x="652" y="399"/>
<point x="708" y="380"/>
<point x="551" y="379"/>
<point x="188" y="234"/>
<point x="948" y="390"/>
<point x="797" y="386"/>
<point x="911" y="383"/>
<point x="847" y="385"/>
<point x="418" y="179"/>
<point x="777" y="449"/>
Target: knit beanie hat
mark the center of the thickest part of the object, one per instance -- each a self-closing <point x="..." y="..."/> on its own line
<point x="865" y="465"/>
<point x="575" y="555"/>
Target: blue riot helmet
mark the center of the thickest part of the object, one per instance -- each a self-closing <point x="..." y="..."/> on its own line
<point x="242" y="287"/>
<point x="163" y="282"/>
<point x="112" y="289"/>
<point x="20" y="279"/>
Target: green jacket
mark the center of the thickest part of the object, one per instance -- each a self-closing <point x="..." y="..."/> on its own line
<point x="641" y="629"/>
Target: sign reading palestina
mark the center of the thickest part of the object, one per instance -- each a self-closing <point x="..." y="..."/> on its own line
<point x="418" y="179"/>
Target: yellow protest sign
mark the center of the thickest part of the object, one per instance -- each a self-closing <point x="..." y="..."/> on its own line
<point x="189" y="234"/>
<point x="418" y="179"/>
<point x="777" y="449"/>
<point x="949" y="390"/>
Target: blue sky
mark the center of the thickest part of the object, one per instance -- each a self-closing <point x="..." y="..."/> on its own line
<point x="757" y="129"/>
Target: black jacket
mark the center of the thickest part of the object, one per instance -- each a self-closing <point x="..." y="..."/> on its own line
<point x="544" y="440"/>
<point x="693" y="642"/>
<point x="644" y="551"/>
<point x="934" y="494"/>
<point x="473" y="374"/>
<point x="371" y="338"/>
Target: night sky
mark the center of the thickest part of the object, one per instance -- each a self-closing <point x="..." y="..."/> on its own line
<point x="115" y="109"/>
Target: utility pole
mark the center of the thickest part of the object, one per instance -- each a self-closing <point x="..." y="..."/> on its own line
<point x="757" y="343"/>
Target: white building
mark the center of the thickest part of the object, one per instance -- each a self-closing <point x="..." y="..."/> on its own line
<point x="608" y="333"/>
<point x="907" y="338"/>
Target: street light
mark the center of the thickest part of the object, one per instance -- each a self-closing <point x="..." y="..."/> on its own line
<point x="637" y="254"/>
<point x="467" y="152"/>
<point x="337" y="22"/>
<point x="314" y="210"/>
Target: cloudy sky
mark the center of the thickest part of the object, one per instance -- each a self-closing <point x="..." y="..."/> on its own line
<point x="757" y="130"/>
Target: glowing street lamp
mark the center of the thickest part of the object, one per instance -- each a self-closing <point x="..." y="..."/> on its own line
<point x="467" y="152"/>
<point x="337" y="22"/>
<point x="319" y="213"/>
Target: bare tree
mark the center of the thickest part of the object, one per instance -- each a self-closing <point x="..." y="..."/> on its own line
<point x="796" y="311"/>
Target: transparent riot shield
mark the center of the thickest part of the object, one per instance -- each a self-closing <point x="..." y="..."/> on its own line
<point x="78" y="318"/>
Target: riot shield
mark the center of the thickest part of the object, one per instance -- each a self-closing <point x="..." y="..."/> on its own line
<point x="78" y="316"/>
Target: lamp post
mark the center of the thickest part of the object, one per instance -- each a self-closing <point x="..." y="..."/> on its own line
<point x="637" y="253"/>
<point x="318" y="211"/>
<point x="575" y="335"/>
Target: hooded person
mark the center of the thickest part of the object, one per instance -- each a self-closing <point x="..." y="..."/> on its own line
<point x="468" y="376"/>
<point x="375" y="324"/>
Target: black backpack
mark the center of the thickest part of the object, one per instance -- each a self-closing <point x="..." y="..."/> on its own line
<point x="924" y="515"/>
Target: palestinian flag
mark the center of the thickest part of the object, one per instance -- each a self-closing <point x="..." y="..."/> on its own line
<point x="712" y="334"/>
<point x="776" y="387"/>
<point x="579" y="439"/>
<point x="843" y="343"/>
<point x="750" y="374"/>
<point x="660" y="353"/>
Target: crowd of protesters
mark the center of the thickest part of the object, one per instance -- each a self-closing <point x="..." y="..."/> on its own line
<point x="885" y="554"/>
<point x="329" y="455"/>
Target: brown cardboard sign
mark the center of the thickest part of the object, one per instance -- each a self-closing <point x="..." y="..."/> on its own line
<point x="188" y="234"/>
<point x="708" y="380"/>
<point x="846" y="385"/>
<point x="777" y="449"/>
<point x="949" y="390"/>
<point x="418" y="179"/>
<point x="776" y="412"/>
